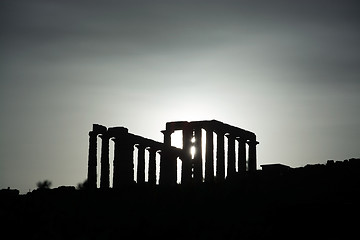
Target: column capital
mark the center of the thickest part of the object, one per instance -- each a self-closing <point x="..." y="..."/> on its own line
<point x="208" y="128"/>
<point x="152" y="149"/>
<point x="198" y="128"/>
<point x="241" y="139"/>
<point x="167" y="136"/>
<point x="140" y="146"/>
<point x="167" y="131"/>
<point x="93" y="134"/>
<point x="252" y="142"/>
<point x="104" y="136"/>
<point x="219" y="131"/>
<point x="117" y="131"/>
<point x="99" y="128"/>
<point x="230" y="136"/>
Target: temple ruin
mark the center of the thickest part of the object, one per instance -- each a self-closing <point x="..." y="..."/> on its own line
<point x="239" y="159"/>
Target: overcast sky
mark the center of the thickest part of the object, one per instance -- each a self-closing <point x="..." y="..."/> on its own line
<point x="286" y="70"/>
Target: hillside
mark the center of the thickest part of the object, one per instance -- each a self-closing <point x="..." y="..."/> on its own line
<point x="312" y="201"/>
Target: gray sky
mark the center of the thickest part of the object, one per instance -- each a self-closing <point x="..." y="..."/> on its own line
<point x="286" y="70"/>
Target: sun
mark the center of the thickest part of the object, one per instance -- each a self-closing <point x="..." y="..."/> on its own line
<point x="192" y="149"/>
<point x="176" y="139"/>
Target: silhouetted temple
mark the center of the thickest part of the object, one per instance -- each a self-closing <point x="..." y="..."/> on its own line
<point x="319" y="201"/>
<point x="239" y="159"/>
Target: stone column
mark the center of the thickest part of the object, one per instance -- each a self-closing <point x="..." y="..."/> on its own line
<point x="198" y="156"/>
<point x="231" y="156"/>
<point x="129" y="163"/>
<point x="92" y="160"/>
<point x="252" y="155"/>
<point x="241" y="155"/>
<point x="173" y="167"/>
<point x="123" y="158"/>
<point x="141" y="164"/>
<point x="166" y="165"/>
<point x="186" y="171"/>
<point x="167" y="137"/>
<point x="105" y="165"/>
<point x="117" y="163"/>
<point x="209" y="156"/>
<point x="168" y="168"/>
<point x="152" y="166"/>
<point x="220" y="161"/>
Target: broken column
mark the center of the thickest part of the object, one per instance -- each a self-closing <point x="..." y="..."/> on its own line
<point x="252" y="155"/>
<point x="92" y="160"/>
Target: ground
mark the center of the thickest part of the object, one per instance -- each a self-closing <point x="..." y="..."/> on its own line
<point x="311" y="202"/>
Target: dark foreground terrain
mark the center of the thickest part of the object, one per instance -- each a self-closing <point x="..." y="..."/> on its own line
<point x="314" y="202"/>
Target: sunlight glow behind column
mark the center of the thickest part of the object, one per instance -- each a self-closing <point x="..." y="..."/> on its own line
<point x="176" y="141"/>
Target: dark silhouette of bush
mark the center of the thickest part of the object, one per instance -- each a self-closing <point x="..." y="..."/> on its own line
<point x="46" y="184"/>
<point x="83" y="185"/>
